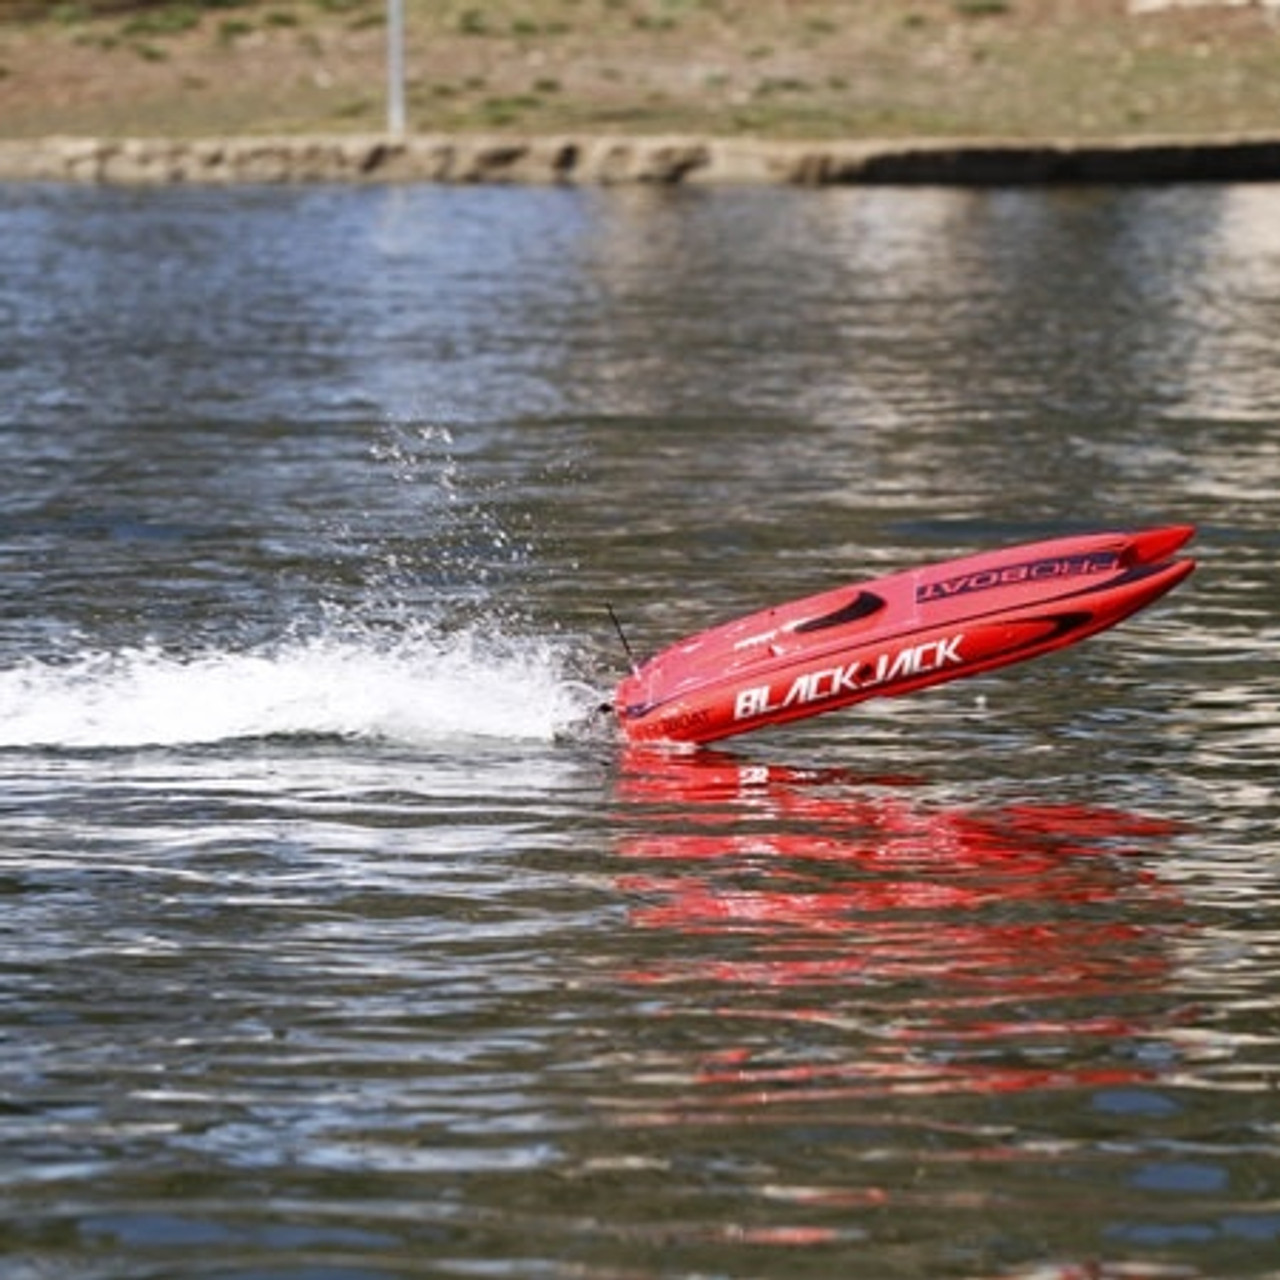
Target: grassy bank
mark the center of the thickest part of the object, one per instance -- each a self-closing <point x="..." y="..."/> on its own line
<point x="1017" y="69"/>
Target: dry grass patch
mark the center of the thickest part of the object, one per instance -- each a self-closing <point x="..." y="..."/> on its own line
<point x="781" y="68"/>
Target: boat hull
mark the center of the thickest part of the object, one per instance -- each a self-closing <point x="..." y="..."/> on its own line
<point x="897" y="634"/>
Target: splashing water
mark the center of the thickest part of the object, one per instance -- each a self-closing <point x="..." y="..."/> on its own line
<point x="414" y="689"/>
<point x="392" y="662"/>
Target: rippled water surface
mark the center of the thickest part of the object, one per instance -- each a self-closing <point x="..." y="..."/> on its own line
<point x="338" y="939"/>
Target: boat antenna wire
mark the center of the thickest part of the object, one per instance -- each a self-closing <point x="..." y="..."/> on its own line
<point x="622" y="635"/>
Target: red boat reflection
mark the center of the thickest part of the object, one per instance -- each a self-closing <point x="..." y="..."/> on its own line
<point x="962" y="948"/>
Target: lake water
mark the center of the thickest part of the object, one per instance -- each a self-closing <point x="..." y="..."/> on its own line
<point x="337" y="939"/>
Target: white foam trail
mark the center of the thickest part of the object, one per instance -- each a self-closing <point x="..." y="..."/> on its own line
<point x="414" y="690"/>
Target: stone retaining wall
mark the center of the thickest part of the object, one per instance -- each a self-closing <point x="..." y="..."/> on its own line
<point x="604" y="160"/>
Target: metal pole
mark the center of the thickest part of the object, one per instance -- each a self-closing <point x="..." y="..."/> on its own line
<point x="395" y="68"/>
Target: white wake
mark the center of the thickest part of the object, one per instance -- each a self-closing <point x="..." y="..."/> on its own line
<point x="414" y="689"/>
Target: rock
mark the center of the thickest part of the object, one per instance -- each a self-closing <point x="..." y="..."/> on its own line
<point x="614" y="160"/>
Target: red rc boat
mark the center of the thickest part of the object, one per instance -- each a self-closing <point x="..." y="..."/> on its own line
<point x="897" y="634"/>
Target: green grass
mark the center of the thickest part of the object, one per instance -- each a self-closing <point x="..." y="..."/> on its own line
<point x="167" y="20"/>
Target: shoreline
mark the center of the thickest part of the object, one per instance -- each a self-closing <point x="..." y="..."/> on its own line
<point x="675" y="159"/>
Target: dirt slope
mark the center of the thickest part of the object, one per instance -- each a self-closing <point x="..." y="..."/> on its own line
<point x="1018" y="69"/>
